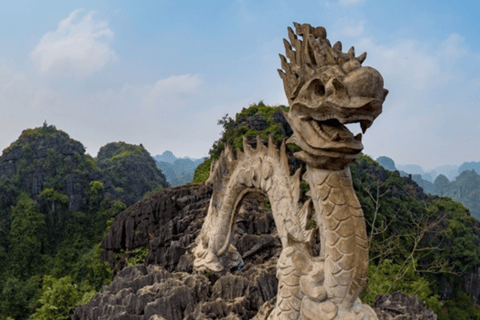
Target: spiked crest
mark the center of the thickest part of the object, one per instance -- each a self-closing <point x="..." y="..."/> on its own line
<point x="308" y="57"/>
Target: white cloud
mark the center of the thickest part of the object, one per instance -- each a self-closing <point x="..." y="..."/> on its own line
<point x="349" y="2"/>
<point x="349" y="27"/>
<point x="171" y="93"/>
<point x="75" y="49"/>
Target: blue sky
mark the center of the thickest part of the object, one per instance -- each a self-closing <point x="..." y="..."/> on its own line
<point x="162" y="73"/>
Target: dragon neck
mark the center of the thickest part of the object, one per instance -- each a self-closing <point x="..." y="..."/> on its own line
<point x="342" y="229"/>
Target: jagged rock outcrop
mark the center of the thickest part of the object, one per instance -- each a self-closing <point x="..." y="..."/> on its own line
<point x="397" y="306"/>
<point x="145" y="293"/>
<point x="160" y="221"/>
<point x="168" y="222"/>
<point x="132" y="170"/>
<point x="167" y="287"/>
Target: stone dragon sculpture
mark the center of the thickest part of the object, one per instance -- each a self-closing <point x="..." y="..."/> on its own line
<point x="326" y="89"/>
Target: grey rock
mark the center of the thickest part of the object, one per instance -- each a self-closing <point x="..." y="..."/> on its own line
<point x="397" y="306"/>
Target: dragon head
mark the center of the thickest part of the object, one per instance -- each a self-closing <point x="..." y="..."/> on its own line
<point x="327" y="89"/>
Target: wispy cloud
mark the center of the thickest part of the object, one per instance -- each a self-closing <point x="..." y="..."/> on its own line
<point x="172" y="92"/>
<point x="349" y="27"/>
<point x="76" y="48"/>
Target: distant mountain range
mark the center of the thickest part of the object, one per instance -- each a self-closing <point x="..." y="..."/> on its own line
<point x="461" y="183"/>
<point x="178" y="171"/>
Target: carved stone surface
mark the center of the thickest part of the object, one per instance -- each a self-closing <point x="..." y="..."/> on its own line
<point x="326" y="89"/>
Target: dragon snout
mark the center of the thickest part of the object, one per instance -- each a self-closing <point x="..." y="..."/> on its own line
<point x="365" y="82"/>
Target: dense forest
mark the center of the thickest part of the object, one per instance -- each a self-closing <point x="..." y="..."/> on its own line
<point x="57" y="204"/>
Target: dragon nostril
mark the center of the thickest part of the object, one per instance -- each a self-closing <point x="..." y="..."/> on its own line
<point x="320" y="89"/>
<point x="316" y="89"/>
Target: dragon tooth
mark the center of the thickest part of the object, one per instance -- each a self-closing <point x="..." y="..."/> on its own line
<point x="358" y="137"/>
<point x="364" y="125"/>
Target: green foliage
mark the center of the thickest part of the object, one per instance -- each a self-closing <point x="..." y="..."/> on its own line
<point x="202" y="172"/>
<point x="389" y="277"/>
<point x="46" y="132"/>
<point x="93" y="269"/>
<point x="133" y="257"/>
<point x="233" y="135"/>
<point x="18" y="298"/>
<point x="267" y="205"/>
<point x="93" y="196"/>
<point x="50" y="194"/>
<point x="27" y="237"/>
<point x="148" y="193"/>
<point x="59" y="297"/>
<point x="461" y="308"/>
<point x="96" y="186"/>
<point x="91" y="162"/>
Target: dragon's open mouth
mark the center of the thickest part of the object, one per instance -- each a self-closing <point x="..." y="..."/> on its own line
<point x="335" y="130"/>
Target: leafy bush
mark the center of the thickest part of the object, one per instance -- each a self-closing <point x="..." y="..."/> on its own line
<point x="202" y="172"/>
<point x="389" y="277"/>
<point x="59" y="297"/>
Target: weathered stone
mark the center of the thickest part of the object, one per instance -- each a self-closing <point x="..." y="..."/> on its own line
<point x="156" y="222"/>
<point x="397" y="306"/>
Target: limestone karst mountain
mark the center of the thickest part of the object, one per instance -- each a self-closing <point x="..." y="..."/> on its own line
<point x="178" y="171"/>
<point x="131" y="169"/>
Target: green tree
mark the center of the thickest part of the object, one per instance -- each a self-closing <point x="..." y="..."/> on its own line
<point x="59" y="298"/>
<point x="52" y="195"/>
<point x="18" y="298"/>
<point x="27" y="236"/>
